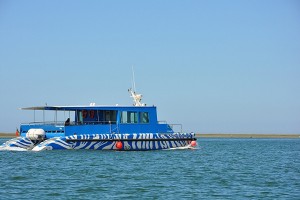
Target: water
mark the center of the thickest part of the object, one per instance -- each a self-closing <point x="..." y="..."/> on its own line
<point x="219" y="169"/>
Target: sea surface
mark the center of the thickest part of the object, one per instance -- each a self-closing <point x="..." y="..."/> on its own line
<point x="218" y="169"/>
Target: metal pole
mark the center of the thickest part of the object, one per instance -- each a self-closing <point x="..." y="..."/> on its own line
<point x="55" y="117"/>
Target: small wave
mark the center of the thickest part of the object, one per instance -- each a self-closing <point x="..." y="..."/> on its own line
<point x="182" y="148"/>
<point x="7" y="148"/>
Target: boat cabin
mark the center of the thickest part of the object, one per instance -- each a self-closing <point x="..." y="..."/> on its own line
<point x="77" y="120"/>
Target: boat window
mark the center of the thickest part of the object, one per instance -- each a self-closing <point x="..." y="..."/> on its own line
<point x="144" y="117"/>
<point x="79" y="117"/>
<point x="129" y="117"/>
<point x="111" y="116"/>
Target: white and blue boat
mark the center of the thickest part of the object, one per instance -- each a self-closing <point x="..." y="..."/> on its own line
<point x="127" y="128"/>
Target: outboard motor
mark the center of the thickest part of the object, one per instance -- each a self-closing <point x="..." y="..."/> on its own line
<point x="36" y="134"/>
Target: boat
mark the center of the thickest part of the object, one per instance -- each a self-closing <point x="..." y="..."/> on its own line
<point x="100" y="127"/>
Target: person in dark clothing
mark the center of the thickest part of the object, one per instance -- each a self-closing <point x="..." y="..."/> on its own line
<point x="67" y="122"/>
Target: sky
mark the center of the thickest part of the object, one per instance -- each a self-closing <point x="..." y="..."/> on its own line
<point x="213" y="66"/>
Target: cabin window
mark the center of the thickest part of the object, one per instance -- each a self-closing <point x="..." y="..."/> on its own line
<point x="144" y="117"/>
<point x="128" y="117"/>
<point x="79" y="117"/>
<point x="110" y="116"/>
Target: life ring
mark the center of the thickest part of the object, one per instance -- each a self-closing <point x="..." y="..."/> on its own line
<point x="84" y="113"/>
<point x="92" y="114"/>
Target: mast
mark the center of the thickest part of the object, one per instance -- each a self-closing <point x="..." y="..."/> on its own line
<point x="137" y="98"/>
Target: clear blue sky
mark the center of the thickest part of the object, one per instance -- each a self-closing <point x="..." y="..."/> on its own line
<point x="214" y="66"/>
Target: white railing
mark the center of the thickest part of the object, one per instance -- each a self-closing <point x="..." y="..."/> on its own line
<point x="174" y="127"/>
<point x="62" y="123"/>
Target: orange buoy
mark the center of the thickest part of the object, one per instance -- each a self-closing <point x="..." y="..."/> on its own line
<point x="193" y="143"/>
<point x="119" y="145"/>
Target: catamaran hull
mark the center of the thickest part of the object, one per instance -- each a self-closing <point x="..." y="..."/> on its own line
<point x="126" y="142"/>
<point x="122" y="142"/>
<point x="17" y="144"/>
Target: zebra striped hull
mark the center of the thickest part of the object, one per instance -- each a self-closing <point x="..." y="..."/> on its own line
<point x="125" y="142"/>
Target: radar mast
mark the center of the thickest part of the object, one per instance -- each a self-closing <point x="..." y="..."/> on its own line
<point x="137" y="98"/>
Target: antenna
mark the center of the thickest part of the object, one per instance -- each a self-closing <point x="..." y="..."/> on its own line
<point x="137" y="98"/>
<point x="133" y="79"/>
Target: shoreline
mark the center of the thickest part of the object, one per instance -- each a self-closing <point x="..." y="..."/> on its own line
<point x="7" y="135"/>
<point x="233" y="135"/>
<point x="213" y="135"/>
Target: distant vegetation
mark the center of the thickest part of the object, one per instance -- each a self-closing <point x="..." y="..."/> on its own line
<point x="7" y="135"/>
<point x="248" y="135"/>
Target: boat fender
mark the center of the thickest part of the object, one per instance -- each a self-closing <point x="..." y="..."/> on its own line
<point x="193" y="143"/>
<point x="119" y="145"/>
<point x="36" y="134"/>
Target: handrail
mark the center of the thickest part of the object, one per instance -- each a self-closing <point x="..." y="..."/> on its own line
<point x="62" y="123"/>
<point x="162" y="122"/>
<point x="172" y="127"/>
<point x="93" y="122"/>
<point x="44" y="123"/>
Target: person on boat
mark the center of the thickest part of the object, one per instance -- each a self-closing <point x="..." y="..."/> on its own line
<point x="67" y="122"/>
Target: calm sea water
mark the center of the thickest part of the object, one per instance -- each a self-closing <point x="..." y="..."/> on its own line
<point x="219" y="169"/>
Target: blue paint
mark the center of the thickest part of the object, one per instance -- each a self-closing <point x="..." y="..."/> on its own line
<point x="99" y="120"/>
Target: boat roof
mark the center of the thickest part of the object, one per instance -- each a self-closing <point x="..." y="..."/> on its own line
<point x="86" y="107"/>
